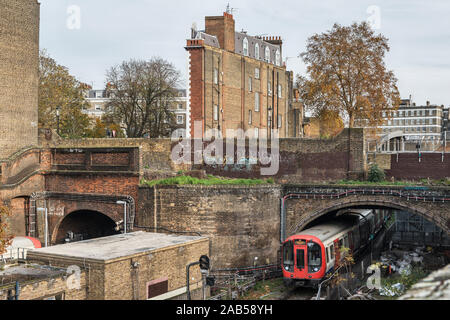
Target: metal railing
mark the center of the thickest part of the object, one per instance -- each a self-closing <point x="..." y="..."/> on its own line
<point x="14" y="255"/>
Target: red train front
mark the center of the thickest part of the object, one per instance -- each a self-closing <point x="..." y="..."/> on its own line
<point x="303" y="260"/>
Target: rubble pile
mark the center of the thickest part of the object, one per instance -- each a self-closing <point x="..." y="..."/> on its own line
<point x="400" y="262"/>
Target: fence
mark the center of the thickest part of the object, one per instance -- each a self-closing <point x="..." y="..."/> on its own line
<point x="13" y="255"/>
<point x="231" y="284"/>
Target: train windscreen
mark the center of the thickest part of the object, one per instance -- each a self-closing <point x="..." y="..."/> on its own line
<point x="314" y="257"/>
<point x="288" y="256"/>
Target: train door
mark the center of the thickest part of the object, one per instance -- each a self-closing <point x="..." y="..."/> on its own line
<point x="300" y="261"/>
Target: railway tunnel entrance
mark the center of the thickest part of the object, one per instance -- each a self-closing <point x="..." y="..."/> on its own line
<point x="83" y="225"/>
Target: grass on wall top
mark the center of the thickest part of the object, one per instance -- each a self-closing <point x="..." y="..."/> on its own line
<point x="210" y="180"/>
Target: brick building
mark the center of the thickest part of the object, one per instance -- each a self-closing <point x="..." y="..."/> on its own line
<point x="98" y="103"/>
<point x="238" y="81"/>
<point x="132" y="266"/>
<point x="19" y="52"/>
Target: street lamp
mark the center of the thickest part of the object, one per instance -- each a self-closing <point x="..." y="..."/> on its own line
<point x="57" y="119"/>
<point x="124" y="215"/>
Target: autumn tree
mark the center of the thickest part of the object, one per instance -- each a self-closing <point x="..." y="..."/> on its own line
<point x="5" y="237"/>
<point x="347" y="74"/>
<point x="141" y="95"/>
<point x="59" y="89"/>
<point x="101" y="126"/>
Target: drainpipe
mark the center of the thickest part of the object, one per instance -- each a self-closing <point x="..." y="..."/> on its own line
<point x="188" y="291"/>
<point x="282" y="220"/>
<point x="16" y="296"/>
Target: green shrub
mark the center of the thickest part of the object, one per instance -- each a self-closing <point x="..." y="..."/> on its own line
<point x="376" y="174"/>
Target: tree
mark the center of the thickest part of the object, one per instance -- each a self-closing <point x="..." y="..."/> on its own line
<point x="5" y="237"/>
<point x="141" y="94"/>
<point x="59" y="89"/>
<point x="347" y="74"/>
<point x="100" y="127"/>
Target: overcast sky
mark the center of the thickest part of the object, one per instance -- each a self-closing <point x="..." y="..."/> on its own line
<point x="110" y="31"/>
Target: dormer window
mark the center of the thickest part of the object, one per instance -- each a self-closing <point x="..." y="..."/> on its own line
<point x="267" y="55"/>
<point x="278" y="58"/>
<point x="245" y="46"/>
<point x="257" y="51"/>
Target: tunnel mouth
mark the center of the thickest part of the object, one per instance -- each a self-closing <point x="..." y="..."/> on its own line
<point x="84" y="225"/>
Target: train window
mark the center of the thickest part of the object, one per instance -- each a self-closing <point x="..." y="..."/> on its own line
<point x="328" y="254"/>
<point x="332" y="251"/>
<point x="341" y="242"/>
<point x="288" y="256"/>
<point x="314" y="257"/>
<point x="346" y="242"/>
<point x="300" y="258"/>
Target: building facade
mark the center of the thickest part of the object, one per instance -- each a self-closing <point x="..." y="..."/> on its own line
<point x="237" y="81"/>
<point x="19" y="58"/>
<point x="415" y="122"/>
<point x="98" y="102"/>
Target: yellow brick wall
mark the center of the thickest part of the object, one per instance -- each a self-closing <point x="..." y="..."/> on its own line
<point x="19" y="46"/>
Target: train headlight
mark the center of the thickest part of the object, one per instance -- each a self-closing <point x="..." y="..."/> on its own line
<point x="316" y="269"/>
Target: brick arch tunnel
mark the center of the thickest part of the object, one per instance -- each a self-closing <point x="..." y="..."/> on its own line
<point x="83" y="225"/>
<point x="301" y="220"/>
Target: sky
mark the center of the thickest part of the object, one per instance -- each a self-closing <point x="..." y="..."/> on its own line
<point x="90" y="36"/>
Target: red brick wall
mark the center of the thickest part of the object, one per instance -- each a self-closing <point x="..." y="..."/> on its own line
<point x="196" y="85"/>
<point x="117" y="184"/>
<point x="408" y="166"/>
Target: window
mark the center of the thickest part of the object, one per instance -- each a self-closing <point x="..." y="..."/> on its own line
<point x="256" y="133"/>
<point x="332" y="252"/>
<point x="249" y="116"/>
<point x="279" y="90"/>
<point x="256" y="73"/>
<point x="257" y="102"/>
<point x="216" y="76"/>
<point x="288" y="256"/>
<point x="314" y="257"/>
<point x="257" y="51"/>
<point x="180" y="106"/>
<point x="180" y="119"/>
<point x="280" y="117"/>
<point x="250" y="87"/>
<point x="269" y="88"/>
<point x="157" y="287"/>
<point x="245" y="46"/>
<point x="216" y="113"/>
<point x="98" y="107"/>
<point x="278" y="58"/>
<point x="328" y="254"/>
<point x="267" y="55"/>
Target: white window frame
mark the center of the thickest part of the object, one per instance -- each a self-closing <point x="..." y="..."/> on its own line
<point x="269" y="88"/>
<point x="250" y="117"/>
<point x="256" y="73"/>
<point x="280" y="121"/>
<point x="257" y="51"/>
<point x="180" y="116"/>
<point x="250" y="84"/>
<point x="267" y="54"/>
<point x="257" y="101"/>
<point x="278" y="58"/>
<point x="245" y="47"/>
<point x="280" y="90"/>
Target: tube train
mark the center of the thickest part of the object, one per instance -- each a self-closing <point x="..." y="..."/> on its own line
<point x="309" y="256"/>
